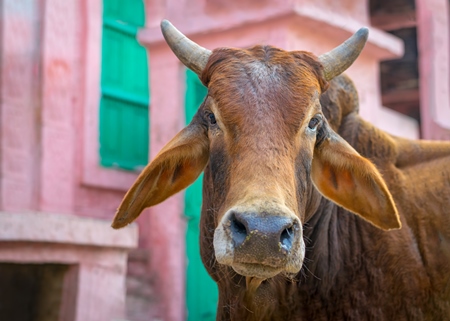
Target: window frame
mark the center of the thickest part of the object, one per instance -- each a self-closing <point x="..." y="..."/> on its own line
<point x="92" y="173"/>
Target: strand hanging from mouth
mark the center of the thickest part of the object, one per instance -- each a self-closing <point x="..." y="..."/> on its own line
<point x="252" y="284"/>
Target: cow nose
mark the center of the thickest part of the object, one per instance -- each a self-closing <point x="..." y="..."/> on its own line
<point x="263" y="230"/>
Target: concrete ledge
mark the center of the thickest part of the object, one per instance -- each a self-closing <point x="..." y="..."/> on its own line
<point x="66" y="229"/>
<point x="380" y="44"/>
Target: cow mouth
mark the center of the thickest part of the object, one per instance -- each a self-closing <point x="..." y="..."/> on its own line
<point x="256" y="270"/>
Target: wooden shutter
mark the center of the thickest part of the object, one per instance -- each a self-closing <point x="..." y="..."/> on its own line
<point x="124" y="117"/>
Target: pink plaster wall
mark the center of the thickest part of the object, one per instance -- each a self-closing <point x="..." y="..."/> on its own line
<point x="434" y="51"/>
<point x="60" y="101"/>
<point x="50" y="75"/>
<point x="50" y="92"/>
<point x="19" y="107"/>
<point x="45" y="46"/>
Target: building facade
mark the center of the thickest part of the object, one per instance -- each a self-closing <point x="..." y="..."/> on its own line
<point x="90" y="92"/>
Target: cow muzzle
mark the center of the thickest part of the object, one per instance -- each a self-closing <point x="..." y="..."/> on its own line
<point x="260" y="244"/>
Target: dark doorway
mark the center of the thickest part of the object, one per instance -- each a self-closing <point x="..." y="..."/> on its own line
<point x="31" y="292"/>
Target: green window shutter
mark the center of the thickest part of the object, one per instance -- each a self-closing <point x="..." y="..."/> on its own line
<point x="124" y="116"/>
<point x="201" y="290"/>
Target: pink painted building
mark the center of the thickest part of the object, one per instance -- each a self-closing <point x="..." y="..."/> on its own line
<point x="69" y="118"/>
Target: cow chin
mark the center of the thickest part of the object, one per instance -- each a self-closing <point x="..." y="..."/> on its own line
<point x="289" y="268"/>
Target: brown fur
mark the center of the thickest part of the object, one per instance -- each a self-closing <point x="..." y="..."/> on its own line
<point x="352" y="270"/>
<point x="261" y="148"/>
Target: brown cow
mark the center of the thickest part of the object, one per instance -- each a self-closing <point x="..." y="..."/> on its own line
<point x="284" y="177"/>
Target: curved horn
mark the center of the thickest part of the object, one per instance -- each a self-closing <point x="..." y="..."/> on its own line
<point x="190" y="54"/>
<point x="340" y="58"/>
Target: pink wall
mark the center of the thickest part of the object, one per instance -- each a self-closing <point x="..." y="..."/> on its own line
<point x="49" y="161"/>
<point x="434" y="70"/>
<point x="43" y="100"/>
<point x="19" y="139"/>
<point x="50" y="91"/>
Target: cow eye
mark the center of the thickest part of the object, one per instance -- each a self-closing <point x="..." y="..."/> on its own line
<point x="314" y="122"/>
<point x="212" y="118"/>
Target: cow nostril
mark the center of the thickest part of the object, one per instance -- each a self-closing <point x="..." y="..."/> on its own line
<point x="238" y="230"/>
<point x="287" y="237"/>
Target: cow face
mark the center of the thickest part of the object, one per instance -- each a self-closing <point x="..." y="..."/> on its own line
<point x="269" y="149"/>
<point x="262" y="113"/>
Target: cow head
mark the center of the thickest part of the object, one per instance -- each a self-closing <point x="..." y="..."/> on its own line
<point x="269" y="149"/>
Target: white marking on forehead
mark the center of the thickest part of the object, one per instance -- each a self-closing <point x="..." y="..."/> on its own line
<point x="264" y="72"/>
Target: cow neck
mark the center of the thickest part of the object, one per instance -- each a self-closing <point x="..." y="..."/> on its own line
<point x="333" y="232"/>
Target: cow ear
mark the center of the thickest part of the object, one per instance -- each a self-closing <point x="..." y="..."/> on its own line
<point x="176" y="166"/>
<point x="353" y="182"/>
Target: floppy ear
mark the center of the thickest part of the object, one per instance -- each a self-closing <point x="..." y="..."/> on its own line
<point x="353" y="182"/>
<point x="175" y="167"/>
